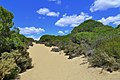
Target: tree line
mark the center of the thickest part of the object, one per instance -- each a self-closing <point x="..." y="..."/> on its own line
<point x="14" y="57"/>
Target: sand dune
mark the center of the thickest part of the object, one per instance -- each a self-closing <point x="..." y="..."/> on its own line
<point x="53" y="66"/>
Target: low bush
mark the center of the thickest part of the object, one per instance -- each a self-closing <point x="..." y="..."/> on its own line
<point x="56" y="50"/>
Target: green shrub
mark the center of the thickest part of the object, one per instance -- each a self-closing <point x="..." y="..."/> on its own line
<point x="87" y="26"/>
<point x="100" y="43"/>
<point x="8" y="67"/>
<point x="14" y="57"/>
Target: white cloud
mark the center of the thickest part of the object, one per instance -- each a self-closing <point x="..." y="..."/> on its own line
<point x="104" y="5"/>
<point x="56" y="1"/>
<point x="43" y="11"/>
<point x="47" y="12"/>
<point x="117" y="22"/>
<point x="66" y="31"/>
<point x="31" y="30"/>
<point x="53" y="14"/>
<point x="111" y="19"/>
<point x="61" y="32"/>
<point x="73" y="20"/>
<point x="34" y="37"/>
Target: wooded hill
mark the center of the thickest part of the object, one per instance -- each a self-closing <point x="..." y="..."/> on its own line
<point x="99" y="43"/>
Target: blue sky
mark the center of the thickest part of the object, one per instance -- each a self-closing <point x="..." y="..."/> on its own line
<point x="58" y="17"/>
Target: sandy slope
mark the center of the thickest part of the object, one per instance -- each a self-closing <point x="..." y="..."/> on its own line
<point x="53" y="66"/>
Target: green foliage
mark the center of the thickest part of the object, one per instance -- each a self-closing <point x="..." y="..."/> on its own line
<point x="12" y="63"/>
<point x="100" y="43"/>
<point x="14" y="57"/>
<point x="105" y="46"/>
<point x="49" y="40"/>
<point x="103" y="30"/>
<point x="5" y="25"/>
<point x="88" y="37"/>
<point x="8" y="67"/>
<point x="103" y="59"/>
<point x="87" y="26"/>
<point x="5" y="21"/>
<point x="22" y="60"/>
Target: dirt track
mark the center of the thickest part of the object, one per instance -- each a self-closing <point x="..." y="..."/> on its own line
<point x="53" y="66"/>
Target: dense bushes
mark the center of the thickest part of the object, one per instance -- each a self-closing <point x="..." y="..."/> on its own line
<point x="49" y="40"/>
<point x="99" y="43"/>
<point x="87" y="26"/>
<point x="14" y="57"/>
<point x="8" y="67"/>
<point x="107" y="55"/>
<point x="103" y="44"/>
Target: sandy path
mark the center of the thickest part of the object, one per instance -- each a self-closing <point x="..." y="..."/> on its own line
<point x="53" y="66"/>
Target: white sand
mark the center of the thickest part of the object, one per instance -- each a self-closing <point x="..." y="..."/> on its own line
<point x="53" y="66"/>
